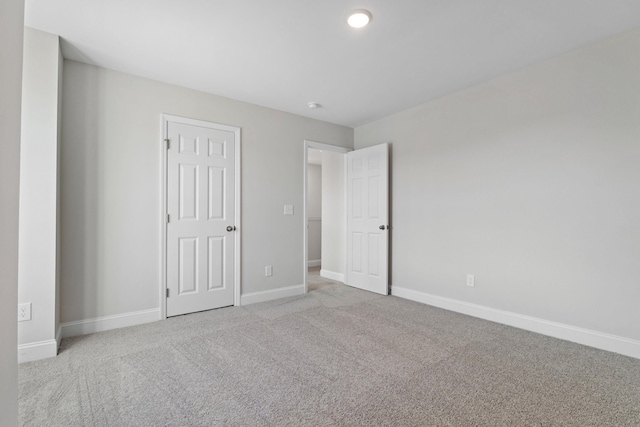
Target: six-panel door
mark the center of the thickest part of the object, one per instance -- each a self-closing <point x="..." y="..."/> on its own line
<point x="368" y="218"/>
<point x="201" y="208"/>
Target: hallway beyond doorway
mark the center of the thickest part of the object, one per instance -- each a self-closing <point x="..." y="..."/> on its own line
<point x="318" y="282"/>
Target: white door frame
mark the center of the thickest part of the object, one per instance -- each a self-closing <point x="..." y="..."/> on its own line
<point x="305" y="244"/>
<point x="166" y="118"/>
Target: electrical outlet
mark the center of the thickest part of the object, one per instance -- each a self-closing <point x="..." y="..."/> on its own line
<point x="471" y="280"/>
<point x="24" y="312"/>
<point x="268" y="271"/>
<point x="288" y="209"/>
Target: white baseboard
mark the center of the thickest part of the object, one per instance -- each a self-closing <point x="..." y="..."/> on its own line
<point x="262" y="296"/>
<point x="603" y="341"/>
<point x="99" y="324"/>
<point x="40" y="350"/>
<point x="37" y="350"/>
<point x="332" y="275"/>
<point x="315" y="263"/>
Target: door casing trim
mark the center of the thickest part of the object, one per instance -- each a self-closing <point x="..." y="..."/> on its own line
<point x="165" y="119"/>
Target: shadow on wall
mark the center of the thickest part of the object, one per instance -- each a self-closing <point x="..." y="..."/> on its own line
<point x="82" y="220"/>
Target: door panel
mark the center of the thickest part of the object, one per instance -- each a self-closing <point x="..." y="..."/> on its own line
<point x="188" y="266"/>
<point x="188" y="192"/>
<point x="215" y="266"/>
<point x="367" y="211"/>
<point x="216" y="193"/>
<point x="201" y="205"/>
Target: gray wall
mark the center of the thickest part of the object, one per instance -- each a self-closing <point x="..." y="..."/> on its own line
<point x="314" y="210"/>
<point x="111" y="169"/>
<point x="11" y="33"/>
<point x="530" y="182"/>
<point x="334" y="231"/>
<point x="38" y="263"/>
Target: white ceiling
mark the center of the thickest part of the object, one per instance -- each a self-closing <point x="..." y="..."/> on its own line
<point x="284" y="53"/>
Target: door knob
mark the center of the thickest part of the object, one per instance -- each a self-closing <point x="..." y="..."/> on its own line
<point x="231" y="228"/>
<point x="382" y="227"/>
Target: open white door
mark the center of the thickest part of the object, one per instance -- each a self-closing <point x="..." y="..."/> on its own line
<point x="368" y="219"/>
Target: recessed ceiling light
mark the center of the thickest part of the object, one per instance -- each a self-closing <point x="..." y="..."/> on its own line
<point x="359" y="18"/>
<point x="314" y="105"/>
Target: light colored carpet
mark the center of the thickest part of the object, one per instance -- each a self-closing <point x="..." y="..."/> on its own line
<point x="336" y="356"/>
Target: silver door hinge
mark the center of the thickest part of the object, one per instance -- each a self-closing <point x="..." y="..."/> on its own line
<point x="168" y="218"/>
<point x="167" y="142"/>
<point x="167" y="292"/>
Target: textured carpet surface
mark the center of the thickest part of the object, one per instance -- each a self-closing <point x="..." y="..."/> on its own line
<point x="336" y="356"/>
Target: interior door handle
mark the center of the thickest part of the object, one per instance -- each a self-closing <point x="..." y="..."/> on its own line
<point x="382" y="227"/>
<point x="231" y="228"/>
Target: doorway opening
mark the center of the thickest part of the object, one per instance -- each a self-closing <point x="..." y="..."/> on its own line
<point x="354" y="221"/>
<point x="324" y="213"/>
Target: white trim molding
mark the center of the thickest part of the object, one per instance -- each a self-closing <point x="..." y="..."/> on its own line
<point x="600" y="340"/>
<point x="315" y="263"/>
<point x="41" y="349"/>
<point x="262" y="296"/>
<point x="37" y="350"/>
<point x="99" y="324"/>
<point x="332" y="275"/>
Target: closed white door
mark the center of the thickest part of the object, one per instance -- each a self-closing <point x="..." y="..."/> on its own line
<point x="201" y="211"/>
<point x="368" y="219"/>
